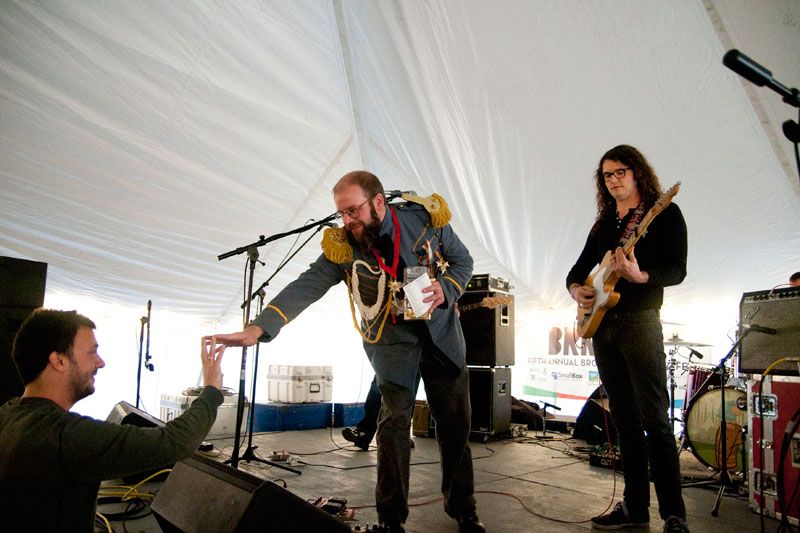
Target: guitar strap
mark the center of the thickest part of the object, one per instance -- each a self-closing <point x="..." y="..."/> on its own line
<point x="630" y="227"/>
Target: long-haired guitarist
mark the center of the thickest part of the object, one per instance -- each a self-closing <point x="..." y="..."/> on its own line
<point x="628" y="341"/>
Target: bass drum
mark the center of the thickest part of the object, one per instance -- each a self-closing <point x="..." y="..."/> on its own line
<point x="703" y="420"/>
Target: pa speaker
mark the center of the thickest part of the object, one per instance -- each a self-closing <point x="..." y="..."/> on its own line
<point x="778" y="309"/>
<point x="203" y="495"/>
<point x="592" y="421"/>
<point x="22" y="286"/>
<point x="490" y="398"/>
<point x="124" y="414"/>
<point x="487" y="319"/>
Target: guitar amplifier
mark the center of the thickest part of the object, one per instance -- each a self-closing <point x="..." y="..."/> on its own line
<point x="488" y="282"/>
<point x="778" y="309"/>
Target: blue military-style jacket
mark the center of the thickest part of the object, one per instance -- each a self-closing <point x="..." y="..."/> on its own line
<point x="392" y="357"/>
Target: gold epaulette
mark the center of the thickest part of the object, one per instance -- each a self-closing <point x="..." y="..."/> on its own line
<point x="336" y="247"/>
<point x="435" y="205"/>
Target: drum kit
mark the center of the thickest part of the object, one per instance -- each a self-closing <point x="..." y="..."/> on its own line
<point x="702" y="410"/>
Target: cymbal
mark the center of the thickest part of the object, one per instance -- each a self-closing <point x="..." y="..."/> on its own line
<point x="677" y="341"/>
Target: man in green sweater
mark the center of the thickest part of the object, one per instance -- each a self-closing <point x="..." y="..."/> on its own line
<point x="51" y="460"/>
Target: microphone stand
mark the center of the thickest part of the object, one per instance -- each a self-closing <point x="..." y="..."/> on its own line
<point x="544" y="434"/>
<point x="145" y="320"/>
<point x="724" y="477"/>
<point x="252" y="257"/>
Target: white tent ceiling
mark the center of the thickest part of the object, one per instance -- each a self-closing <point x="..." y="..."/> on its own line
<point x="139" y="140"/>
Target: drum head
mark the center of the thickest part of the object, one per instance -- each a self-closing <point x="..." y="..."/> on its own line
<point x="703" y="420"/>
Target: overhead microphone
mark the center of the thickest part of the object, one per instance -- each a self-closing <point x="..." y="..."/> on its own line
<point x="758" y="74"/>
<point x="760" y="329"/>
<point x="746" y="67"/>
<point x="696" y="353"/>
<point x="391" y="195"/>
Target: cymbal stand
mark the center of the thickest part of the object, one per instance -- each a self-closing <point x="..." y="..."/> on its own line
<point x="671" y="372"/>
<point x="252" y="258"/>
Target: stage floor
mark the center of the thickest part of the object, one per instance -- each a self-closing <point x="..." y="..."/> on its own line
<point x="522" y="484"/>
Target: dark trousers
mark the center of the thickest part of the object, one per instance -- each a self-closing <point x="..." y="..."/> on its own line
<point x="372" y="407"/>
<point x="629" y="350"/>
<point x="448" y="398"/>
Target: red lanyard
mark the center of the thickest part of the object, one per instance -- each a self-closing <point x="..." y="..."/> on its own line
<point x="392" y="271"/>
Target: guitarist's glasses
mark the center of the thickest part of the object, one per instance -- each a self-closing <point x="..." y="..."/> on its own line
<point x="619" y="174"/>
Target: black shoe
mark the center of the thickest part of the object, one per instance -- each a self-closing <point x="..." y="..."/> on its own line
<point x="621" y="518"/>
<point x="470" y="524"/>
<point x="675" y="524"/>
<point x="359" y="438"/>
<point x="411" y="443"/>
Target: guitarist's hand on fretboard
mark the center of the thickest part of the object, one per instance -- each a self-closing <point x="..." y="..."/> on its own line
<point x="628" y="267"/>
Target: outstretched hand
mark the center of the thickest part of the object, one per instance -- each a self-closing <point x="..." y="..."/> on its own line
<point x="211" y="358"/>
<point x="248" y="337"/>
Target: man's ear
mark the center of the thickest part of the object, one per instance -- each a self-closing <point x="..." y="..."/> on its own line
<point x="56" y="361"/>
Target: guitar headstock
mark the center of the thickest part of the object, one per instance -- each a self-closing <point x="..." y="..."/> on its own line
<point x="665" y="199"/>
<point x="495" y="301"/>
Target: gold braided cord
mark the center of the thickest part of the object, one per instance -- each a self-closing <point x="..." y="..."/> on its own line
<point x="372" y="311"/>
<point x="385" y="313"/>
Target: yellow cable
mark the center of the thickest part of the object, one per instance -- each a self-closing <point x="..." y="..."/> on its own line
<point x="108" y="524"/>
<point x="773" y="365"/>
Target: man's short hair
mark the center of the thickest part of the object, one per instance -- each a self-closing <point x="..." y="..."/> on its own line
<point x="794" y="277"/>
<point x="368" y="182"/>
<point x="44" y="332"/>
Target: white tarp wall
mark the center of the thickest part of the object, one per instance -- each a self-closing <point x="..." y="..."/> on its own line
<point x="138" y="141"/>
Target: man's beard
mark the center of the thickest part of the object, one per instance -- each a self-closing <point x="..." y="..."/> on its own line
<point x="80" y="385"/>
<point x="369" y="233"/>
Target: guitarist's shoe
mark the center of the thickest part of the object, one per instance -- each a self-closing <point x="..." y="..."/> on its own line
<point x="621" y="518"/>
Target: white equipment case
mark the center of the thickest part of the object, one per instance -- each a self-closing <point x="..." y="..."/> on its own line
<point x="174" y="405"/>
<point x="300" y="384"/>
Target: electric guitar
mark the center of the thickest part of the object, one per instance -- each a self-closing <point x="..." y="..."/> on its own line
<point x="490" y="301"/>
<point x="605" y="278"/>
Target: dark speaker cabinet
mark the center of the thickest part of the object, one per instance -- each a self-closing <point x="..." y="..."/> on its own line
<point x="487" y="319"/>
<point x="490" y="397"/>
<point x="22" y="284"/>
<point x="203" y="495"/>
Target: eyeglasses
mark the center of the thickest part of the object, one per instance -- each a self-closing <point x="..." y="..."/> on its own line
<point x="619" y="173"/>
<point x="353" y="212"/>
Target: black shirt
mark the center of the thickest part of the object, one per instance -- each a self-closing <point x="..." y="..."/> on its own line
<point x="661" y="252"/>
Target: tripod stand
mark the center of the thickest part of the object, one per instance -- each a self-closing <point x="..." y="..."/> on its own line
<point x="722" y="457"/>
<point x="252" y="258"/>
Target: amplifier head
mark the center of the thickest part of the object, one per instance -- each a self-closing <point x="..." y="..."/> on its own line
<point x="778" y="309"/>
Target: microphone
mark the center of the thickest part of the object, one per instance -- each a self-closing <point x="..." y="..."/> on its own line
<point x="391" y="195"/>
<point x="746" y="67"/>
<point x="696" y="353"/>
<point x="557" y="408"/>
<point x="329" y="224"/>
<point x="760" y="329"/>
<point x="752" y="71"/>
